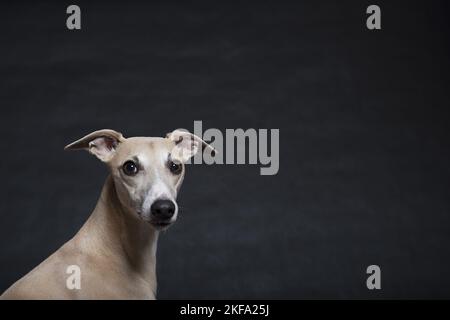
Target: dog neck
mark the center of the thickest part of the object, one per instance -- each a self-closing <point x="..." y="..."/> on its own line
<point x="121" y="237"/>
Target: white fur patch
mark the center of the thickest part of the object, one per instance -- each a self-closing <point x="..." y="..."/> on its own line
<point x="158" y="191"/>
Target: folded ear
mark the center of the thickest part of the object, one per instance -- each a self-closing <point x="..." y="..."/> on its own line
<point x="101" y="143"/>
<point x="187" y="145"/>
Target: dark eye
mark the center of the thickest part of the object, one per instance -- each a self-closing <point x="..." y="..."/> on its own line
<point x="175" y="168"/>
<point x="130" y="168"/>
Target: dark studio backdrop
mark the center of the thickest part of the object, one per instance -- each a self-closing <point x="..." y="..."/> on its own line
<point x="364" y="149"/>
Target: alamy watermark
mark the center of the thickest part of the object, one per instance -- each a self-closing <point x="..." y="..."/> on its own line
<point x="373" y="21"/>
<point x="73" y="281"/>
<point x="374" y="280"/>
<point x="239" y="146"/>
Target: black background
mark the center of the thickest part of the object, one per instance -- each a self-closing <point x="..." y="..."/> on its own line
<point x="363" y="119"/>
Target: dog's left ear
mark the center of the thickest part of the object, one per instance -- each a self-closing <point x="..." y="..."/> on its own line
<point x="187" y="145"/>
<point x="101" y="143"/>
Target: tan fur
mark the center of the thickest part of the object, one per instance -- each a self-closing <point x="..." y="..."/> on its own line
<point x="116" y="247"/>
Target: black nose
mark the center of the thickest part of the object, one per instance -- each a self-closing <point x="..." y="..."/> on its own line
<point x="163" y="209"/>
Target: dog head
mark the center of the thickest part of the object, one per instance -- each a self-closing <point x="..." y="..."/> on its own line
<point x="147" y="171"/>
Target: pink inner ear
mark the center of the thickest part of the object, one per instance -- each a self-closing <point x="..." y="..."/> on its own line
<point x="103" y="147"/>
<point x="104" y="142"/>
<point x="110" y="143"/>
<point x="180" y="138"/>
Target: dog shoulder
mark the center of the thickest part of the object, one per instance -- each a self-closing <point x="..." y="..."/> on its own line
<point x="45" y="281"/>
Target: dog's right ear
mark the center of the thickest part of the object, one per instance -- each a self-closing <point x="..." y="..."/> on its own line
<point x="101" y="143"/>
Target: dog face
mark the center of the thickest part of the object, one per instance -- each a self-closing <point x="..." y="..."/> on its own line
<point x="147" y="171"/>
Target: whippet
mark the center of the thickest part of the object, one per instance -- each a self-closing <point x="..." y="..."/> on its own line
<point x="115" y="249"/>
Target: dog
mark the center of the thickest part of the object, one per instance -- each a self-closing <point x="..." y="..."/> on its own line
<point x="114" y="252"/>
